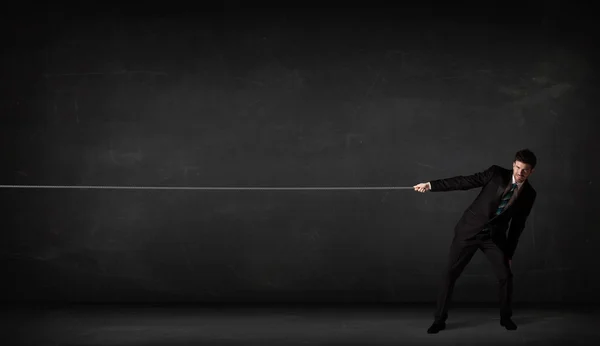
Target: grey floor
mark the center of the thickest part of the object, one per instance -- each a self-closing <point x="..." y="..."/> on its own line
<point x="292" y="325"/>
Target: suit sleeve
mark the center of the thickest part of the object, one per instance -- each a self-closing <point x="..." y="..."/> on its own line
<point x="517" y="225"/>
<point x="462" y="182"/>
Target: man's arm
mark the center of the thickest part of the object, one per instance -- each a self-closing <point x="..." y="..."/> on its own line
<point x="517" y="224"/>
<point x="463" y="182"/>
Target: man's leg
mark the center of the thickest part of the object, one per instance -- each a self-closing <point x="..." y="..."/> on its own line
<point x="461" y="252"/>
<point x="505" y="279"/>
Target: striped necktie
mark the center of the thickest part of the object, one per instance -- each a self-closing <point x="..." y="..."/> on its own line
<point x="505" y="199"/>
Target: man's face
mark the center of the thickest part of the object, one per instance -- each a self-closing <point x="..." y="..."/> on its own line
<point x="521" y="171"/>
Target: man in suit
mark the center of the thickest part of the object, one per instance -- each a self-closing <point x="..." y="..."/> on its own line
<point x="506" y="197"/>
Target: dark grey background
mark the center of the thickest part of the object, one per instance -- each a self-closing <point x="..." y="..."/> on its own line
<point x="227" y="96"/>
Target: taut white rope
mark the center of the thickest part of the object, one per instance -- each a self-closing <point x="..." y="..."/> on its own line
<point x="259" y="188"/>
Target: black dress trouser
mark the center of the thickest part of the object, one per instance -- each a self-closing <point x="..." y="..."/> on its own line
<point x="461" y="252"/>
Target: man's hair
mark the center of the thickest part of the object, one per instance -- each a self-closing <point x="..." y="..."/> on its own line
<point x="526" y="156"/>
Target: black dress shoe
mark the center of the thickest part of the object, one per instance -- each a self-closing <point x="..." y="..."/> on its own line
<point x="508" y="324"/>
<point x="436" y="327"/>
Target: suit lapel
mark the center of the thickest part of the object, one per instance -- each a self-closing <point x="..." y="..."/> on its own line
<point x="502" y="187"/>
<point x="506" y="182"/>
<point x="523" y="191"/>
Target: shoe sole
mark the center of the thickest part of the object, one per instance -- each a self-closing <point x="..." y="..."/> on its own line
<point x="437" y="331"/>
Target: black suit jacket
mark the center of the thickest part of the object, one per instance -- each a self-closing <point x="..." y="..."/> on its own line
<point x="482" y="212"/>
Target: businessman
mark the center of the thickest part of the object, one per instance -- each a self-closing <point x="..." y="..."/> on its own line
<point x="506" y="198"/>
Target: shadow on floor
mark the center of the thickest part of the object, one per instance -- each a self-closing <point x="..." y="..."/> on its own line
<point x="462" y="324"/>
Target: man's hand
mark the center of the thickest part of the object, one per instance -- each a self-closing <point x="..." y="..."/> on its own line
<point x="510" y="263"/>
<point x="422" y="187"/>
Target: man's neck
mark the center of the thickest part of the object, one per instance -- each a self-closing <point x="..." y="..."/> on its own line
<point x="514" y="180"/>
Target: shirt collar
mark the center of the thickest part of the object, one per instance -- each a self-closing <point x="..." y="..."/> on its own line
<point x="514" y="181"/>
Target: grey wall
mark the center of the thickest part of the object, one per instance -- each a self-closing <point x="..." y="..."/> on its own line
<point x="258" y="98"/>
